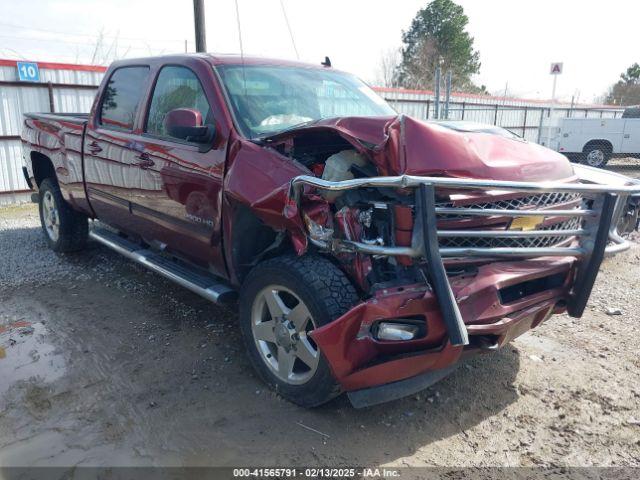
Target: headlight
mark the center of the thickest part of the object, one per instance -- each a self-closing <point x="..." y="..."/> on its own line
<point x="398" y="331"/>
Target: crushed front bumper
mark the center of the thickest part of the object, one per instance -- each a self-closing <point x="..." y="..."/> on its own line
<point x="468" y="314"/>
<point x="449" y="357"/>
<point x="360" y="361"/>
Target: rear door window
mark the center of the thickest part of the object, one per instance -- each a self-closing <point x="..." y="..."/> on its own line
<point x="122" y="97"/>
<point x="177" y="87"/>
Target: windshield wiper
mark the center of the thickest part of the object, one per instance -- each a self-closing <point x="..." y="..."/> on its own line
<point x="267" y="137"/>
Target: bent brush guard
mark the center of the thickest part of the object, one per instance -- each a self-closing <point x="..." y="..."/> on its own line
<point x="426" y="212"/>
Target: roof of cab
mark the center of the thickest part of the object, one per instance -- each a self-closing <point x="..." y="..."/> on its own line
<point x="220" y="59"/>
<point x="235" y="59"/>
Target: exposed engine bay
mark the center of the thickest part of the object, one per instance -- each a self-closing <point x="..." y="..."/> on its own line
<point x="373" y="216"/>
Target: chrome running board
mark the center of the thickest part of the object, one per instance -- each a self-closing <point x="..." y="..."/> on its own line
<point x="192" y="278"/>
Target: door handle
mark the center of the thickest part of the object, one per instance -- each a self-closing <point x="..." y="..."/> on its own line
<point x="145" y="162"/>
<point x="95" y="148"/>
<point x="627" y="135"/>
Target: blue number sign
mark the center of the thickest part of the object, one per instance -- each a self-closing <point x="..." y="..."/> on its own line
<point x="28" y="72"/>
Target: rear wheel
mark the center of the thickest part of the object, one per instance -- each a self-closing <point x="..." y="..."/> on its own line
<point x="281" y="302"/>
<point x="65" y="230"/>
<point x="596" y="155"/>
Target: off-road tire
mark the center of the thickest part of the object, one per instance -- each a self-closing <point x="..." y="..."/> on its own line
<point x="73" y="227"/>
<point x="326" y="292"/>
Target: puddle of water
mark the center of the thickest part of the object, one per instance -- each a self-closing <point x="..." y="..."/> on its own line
<point x="25" y="353"/>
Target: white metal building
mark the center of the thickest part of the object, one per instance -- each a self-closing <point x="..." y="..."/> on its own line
<point x="61" y="88"/>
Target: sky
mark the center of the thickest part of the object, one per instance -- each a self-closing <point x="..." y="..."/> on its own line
<point x="517" y="39"/>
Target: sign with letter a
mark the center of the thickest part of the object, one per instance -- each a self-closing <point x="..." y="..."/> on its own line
<point x="556" y="69"/>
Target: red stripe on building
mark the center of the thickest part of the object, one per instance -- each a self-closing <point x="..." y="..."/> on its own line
<point x="57" y="66"/>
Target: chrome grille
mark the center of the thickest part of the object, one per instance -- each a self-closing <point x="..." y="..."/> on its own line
<point x="540" y="201"/>
<point x="531" y="201"/>
<point x="530" y="242"/>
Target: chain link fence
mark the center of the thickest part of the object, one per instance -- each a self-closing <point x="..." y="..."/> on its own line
<point x="530" y="122"/>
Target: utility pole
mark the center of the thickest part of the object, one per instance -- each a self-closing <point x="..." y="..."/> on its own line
<point x="198" y="17"/>
<point x="553" y="104"/>
<point x="447" y="95"/>
<point x="437" y="94"/>
<point x="556" y="69"/>
<point x="573" y="105"/>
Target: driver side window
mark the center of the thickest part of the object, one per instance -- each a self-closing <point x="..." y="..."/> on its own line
<point x="177" y="87"/>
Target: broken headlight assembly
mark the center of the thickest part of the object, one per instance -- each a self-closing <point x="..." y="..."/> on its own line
<point x="400" y="330"/>
<point x="316" y="230"/>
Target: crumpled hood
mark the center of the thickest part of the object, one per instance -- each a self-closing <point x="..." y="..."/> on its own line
<point x="403" y="145"/>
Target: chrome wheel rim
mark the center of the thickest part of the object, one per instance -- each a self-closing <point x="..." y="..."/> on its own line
<point x="50" y="216"/>
<point x="595" y="158"/>
<point x="280" y="323"/>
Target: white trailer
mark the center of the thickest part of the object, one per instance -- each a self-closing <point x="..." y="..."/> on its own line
<point x="596" y="140"/>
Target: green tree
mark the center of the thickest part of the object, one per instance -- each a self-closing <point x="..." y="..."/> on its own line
<point x="438" y="37"/>
<point x="627" y="90"/>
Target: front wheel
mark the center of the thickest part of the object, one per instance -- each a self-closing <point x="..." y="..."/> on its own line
<point x="281" y="302"/>
<point x="65" y="230"/>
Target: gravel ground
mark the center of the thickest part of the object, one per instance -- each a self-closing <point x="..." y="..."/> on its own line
<point x="104" y="363"/>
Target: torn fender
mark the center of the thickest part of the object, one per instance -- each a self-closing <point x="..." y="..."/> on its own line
<point x="258" y="178"/>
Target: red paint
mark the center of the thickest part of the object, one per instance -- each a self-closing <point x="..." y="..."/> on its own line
<point x="183" y="117"/>
<point x="404" y="230"/>
<point x="350" y="357"/>
<point x="404" y="145"/>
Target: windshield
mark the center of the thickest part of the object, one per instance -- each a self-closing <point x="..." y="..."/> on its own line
<point x="267" y="99"/>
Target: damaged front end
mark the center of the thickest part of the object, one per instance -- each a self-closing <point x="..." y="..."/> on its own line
<point x="457" y="242"/>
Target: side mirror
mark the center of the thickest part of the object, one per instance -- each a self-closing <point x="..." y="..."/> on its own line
<point x="186" y="124"/>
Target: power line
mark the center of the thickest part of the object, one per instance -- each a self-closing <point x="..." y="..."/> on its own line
<point x="286" y="19"/>
<point x="48" y="40"/>
<point x="239" y="29"/>
<point x="13" y="52"/>
<point x="82" y="44"/>
<point x="71" y="34"/>
<point x="244" y="75"/>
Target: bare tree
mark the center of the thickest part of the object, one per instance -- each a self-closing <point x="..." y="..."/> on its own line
<point x="104" y="53"/>
<point x="420" y="73"/>
<point x="387" y="68"/>
<point x="97" y="48"/>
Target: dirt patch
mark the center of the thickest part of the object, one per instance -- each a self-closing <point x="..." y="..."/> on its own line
<point x="625" y="166"/>
<point x="127" y="369"/>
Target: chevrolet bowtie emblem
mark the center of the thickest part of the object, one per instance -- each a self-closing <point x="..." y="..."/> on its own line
<point x="526" y="223"/>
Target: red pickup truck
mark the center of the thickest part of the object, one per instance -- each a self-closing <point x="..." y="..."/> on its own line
<point x="371" y="251"/>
